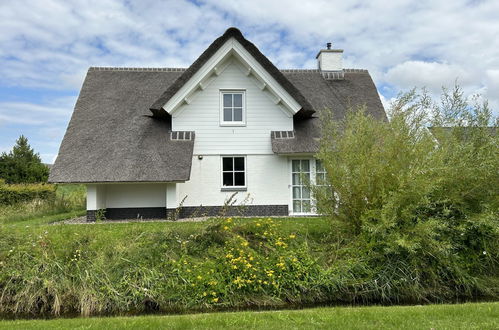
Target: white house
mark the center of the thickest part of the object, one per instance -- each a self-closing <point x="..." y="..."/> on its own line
<point x="151" y="141"/>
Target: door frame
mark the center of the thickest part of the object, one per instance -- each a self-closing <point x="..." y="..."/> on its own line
<point x="290" y="185"/>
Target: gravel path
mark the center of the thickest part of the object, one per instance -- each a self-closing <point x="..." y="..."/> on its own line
<point x="83" y="220"/>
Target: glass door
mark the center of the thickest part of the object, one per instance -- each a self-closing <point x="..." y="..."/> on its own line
<point x="300" y="179"/>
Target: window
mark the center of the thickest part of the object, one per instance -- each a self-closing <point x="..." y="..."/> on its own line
<point x="320" y="174"/>
<point x="302" y="199"/>
<point x="232" y="112"/>
<point x="234" y="172"/>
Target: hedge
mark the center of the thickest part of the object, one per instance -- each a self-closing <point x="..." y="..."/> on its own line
<point x="18" y="193"/>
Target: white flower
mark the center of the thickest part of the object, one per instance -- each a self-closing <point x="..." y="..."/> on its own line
<point x="484" y="252"/>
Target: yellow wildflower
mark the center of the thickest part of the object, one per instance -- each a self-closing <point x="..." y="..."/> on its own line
<point x="226" y="228"/>
<point x="292" y="236"/>
<point x="215" y="299"/>
<point x="245" y="243"/>
<point x="199" y="277"/>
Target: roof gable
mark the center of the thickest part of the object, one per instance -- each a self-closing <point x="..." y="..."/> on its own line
<point x="232" y="43"/>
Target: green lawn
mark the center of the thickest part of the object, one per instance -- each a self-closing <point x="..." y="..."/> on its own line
<point x="463" y="316"/>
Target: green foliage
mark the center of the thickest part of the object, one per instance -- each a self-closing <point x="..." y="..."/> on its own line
<point x="22" y="164"/>
<point x="63" y="199"/>
<point x="419" y="210"/>
<point x="180" y="266"/>
<point x="17" y="193"/>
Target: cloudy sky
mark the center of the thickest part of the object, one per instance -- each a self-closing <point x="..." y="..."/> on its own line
<point x="46" y="46"/>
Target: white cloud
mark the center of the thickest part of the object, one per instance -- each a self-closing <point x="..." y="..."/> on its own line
<point x="49" y="45"/>
<point x="431" y="75"/>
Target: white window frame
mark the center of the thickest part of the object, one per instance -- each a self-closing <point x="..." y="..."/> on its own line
<point x="243" y="104"/>
<point x="233" y="188"/>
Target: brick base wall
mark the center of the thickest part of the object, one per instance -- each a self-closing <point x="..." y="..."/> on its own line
<point x="190" y="212"/>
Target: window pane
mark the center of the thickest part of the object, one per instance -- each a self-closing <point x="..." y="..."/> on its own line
<point x="305" y="166"/>
<point x="296" y="179"/>
<point x="306" y="206"/>
<point x="321" y="179"/>
<point x="228" y="100"/>
<point x="296" y="192"/>
<point x="239" y="179"/>
<point x="227" y="114"/>
<point x="296" y="166"/>
<point x="238" y="100"/>
<point x="296" y="206"/>
<point x="305" y="192"/>
<point x="238" y="114"/>
<point x="228" y="179"/>
<point x="227" y="164"/>
<point x="239" y="163"/>
<point x="319" y="167"/>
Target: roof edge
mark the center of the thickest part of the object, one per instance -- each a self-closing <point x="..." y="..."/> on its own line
<point x="232" y="32"/>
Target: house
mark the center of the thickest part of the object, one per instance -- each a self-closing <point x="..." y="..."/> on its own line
<point x="152" y="142"/>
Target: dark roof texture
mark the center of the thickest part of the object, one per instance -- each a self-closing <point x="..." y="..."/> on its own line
<point x="307" y="109"/>
<point x="112" y="137"/>
<point x="356" y="89"/>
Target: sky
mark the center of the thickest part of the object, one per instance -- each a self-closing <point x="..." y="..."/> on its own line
<point x="47" y="46"/>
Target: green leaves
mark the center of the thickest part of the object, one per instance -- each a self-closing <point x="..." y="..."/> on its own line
<point x="426" y="197"/>
<point x="22" y="164"/>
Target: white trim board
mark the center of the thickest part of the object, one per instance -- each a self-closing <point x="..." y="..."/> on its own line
<point x="216" y="64"/>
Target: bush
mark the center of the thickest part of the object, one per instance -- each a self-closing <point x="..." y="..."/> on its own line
<point x="22" y="164"/>
<point x="19" y="193"/>
<point x="420" y="209"/>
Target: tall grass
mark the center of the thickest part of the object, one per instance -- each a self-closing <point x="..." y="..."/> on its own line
<point x="178" y="267"/>
<point x="68" y="199"/>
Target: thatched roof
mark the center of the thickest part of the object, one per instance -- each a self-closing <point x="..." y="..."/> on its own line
<point x="114" y="137"/>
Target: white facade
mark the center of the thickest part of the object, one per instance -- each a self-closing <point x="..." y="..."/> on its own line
<point x="202" y="115"/>
<point x="268" y="179"/>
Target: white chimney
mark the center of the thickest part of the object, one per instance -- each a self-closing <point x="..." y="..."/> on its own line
<point x="330" y="59"/>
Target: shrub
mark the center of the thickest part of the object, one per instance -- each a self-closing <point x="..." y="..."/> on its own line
<point x="18" y="193"/>
<point x="422" y="213"/>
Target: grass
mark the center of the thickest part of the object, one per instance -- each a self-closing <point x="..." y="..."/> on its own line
<point x="69" y="202"/>
<point x="462" y="316"/>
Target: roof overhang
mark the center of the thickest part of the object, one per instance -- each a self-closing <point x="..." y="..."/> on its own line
<point x="214" y="67"/>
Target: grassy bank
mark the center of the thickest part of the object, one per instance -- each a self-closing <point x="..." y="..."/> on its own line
<point x="463" y="316"/>
<point x="69" y="202"/>
<point x="106" y="269"/>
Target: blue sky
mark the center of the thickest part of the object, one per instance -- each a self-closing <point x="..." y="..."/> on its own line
<point x="47" y="47"/>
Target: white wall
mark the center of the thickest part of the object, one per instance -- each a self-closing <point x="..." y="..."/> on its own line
<point x="330" y="61"/>
<point x="136" y="195"/>
<point x="202" y="115"/>
<point x="96" y="197"/>
<point x="267" y="181"/>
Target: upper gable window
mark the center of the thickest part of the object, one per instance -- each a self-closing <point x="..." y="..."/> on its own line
<point x="232" y="112"/>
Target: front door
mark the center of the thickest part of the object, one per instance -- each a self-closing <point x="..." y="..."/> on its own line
<point x="300" y="179"/>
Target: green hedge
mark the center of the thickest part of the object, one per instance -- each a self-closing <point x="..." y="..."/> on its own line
<point x="18" y="193"/>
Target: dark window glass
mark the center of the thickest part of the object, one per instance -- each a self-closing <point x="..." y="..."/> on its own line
<point x="233" y="172"/>
<point x="238" y="100"/>
<point x="228" y="100"/>
<point x="227" y="114"/>
<point x="238" y="114"/>
<point x="228" y="164"/>
<point x="239" y="163"/>
<point x="228" y="179"/>
<point x="232" y="107"/>
<point x="239" y="179"/>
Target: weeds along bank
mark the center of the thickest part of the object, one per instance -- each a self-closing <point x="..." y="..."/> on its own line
<point x="23" y="202"/>
<point x="223" y="264"/>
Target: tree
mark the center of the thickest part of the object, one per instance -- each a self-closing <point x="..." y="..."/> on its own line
<point x="22" y="164"/>
<point x="415" y="206"/>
